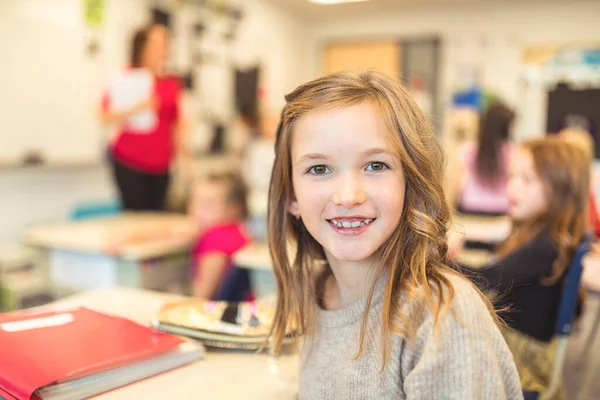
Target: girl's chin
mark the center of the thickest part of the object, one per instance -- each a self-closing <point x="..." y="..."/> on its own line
<point x="352" y="256"/>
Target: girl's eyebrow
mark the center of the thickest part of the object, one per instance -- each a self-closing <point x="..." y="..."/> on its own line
<point x="375" y="151"/>
<point x="312" y="157"/>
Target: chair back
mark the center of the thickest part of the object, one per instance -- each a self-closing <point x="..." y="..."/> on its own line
<point x="566" y="312"/>
<point x="568" y="302"/>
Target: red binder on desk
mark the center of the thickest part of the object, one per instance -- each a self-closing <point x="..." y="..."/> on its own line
<point x="78" y="353"/>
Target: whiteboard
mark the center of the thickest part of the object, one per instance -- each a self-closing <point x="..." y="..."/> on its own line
<point x="49" y="87"/>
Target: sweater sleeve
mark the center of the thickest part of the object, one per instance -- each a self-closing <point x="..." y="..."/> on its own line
<point x="466" y="358"/>
<point x="525" y="265"/>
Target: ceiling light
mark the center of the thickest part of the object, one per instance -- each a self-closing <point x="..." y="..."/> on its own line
<point x="328" y="2"/>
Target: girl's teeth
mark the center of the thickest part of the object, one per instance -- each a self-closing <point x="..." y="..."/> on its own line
<point x="354" y="224"/>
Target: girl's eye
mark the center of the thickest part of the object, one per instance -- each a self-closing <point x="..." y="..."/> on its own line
<point x="377" y="166"/>
<point x="319" y="170"/>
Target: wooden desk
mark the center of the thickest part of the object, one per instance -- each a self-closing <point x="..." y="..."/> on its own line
<point x="481" y="228"/>
<point x="220" y="375"/>
<point x="474" y="258"/>
<point x="254" y="257"/>
<point x="88" y="254"/>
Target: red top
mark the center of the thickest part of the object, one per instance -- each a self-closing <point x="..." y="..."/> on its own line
<point x="593" y="215"/>
<point x="223" y="239"/>
<point x="151" y="152"/>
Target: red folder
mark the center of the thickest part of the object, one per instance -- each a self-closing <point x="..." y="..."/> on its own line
<point x="4" y="395"/>
<point x="37" y="349"/>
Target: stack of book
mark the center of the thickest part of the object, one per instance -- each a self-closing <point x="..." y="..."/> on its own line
<point x="232" y="325"/>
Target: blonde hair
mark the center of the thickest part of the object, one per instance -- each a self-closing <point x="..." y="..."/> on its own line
<point x="564" y="170"/>
<point x="581" y="139"/>
<point x="413" y="260"/>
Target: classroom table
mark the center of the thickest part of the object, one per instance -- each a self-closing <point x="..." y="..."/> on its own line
<point x="141" y="250"/>
<point x="482" y="229"/>
<point x="255" y="257"/>
<point x="220" y="375"/>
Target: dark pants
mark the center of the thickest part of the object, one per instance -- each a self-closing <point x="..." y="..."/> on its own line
<point x="140" y="191"/>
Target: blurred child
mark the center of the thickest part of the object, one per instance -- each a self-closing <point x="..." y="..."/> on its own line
<point x="583" y="140"/>
<point x="548" y="190"/>
<point x="481" y="169"/>
<point x="218" y="207"/>
<point x="357" y="187"/>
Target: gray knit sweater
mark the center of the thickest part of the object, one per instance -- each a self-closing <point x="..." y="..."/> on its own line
<point x="467" y="359"/>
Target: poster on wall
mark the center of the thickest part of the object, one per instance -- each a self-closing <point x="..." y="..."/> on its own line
<point x="580" y="67"/>
<point x="93" y="13"/>
<point x="565" y="84"/>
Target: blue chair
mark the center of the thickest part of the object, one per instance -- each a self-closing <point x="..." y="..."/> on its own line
<point x="566" y="313"/>
<point x="97" y="209"/>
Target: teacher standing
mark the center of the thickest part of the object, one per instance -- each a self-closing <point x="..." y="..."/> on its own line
<point x="142" y="160"/>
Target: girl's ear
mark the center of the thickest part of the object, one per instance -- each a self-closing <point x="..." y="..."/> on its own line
<point x="293" y="208"/>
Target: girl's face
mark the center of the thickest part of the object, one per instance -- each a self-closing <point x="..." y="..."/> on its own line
<point x="209" y="206"/>
<point x="348" y="182"/>
<point x="526" y="192"/>
<point x="157" y="47"/>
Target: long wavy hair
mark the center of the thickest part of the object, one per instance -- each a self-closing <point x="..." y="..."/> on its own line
<point x="564" y="169"/>
<point x="413" y="261"/>
<point x="494" y="132"/>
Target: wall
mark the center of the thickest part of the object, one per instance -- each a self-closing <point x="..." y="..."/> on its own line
<point x="47" y="72"/>
<point x="500" y="29"/>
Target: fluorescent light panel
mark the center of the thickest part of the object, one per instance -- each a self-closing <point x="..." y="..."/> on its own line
<point x="328" y="2"/>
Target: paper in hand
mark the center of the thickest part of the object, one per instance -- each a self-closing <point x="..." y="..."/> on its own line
<point x="129" y="89"/>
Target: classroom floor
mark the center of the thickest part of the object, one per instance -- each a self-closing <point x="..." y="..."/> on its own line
<point x="579" y="358"/>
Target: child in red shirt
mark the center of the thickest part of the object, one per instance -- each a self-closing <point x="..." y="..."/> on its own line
<point x="218" y="206"/>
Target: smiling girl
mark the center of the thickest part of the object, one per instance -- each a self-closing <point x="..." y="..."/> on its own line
<point x="356" y="186"/>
